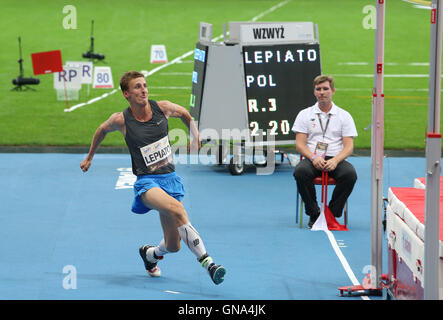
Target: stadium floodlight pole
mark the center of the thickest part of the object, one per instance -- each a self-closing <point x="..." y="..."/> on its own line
<point x="377" y="148"/>
<point x="433" y="159"/>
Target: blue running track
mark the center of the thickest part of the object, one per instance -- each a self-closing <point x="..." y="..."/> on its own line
<point x="68" y="235"/>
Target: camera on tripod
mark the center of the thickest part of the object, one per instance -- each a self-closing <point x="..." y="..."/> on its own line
<point x="91" y="54"/>
<point x="21" y="81"/>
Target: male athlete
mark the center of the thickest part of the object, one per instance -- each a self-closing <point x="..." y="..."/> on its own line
<point x="144" y="125"/>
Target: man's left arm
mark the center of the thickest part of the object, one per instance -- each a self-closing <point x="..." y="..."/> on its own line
<point x="348" y="148"/>
<point x="174" y="110"/>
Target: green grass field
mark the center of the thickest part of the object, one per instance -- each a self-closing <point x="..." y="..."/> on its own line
<point x="125" y="30"/>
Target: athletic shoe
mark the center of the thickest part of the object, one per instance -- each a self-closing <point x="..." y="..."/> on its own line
<point x="217" y="273"/>
<point x="151" y="267"/>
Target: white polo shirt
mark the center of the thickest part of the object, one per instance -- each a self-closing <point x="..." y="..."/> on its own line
<point x="341" y="124"/>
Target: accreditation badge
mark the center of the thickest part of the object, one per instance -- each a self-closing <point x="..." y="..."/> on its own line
<point x="320" y="149"/>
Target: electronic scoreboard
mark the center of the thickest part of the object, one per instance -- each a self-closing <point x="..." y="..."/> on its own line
<point x="278" y="81"/>
<point x="258" y="80"/>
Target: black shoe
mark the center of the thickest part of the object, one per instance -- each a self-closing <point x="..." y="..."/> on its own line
<point x="337" y="214"/>
<point x="217" y="273"/>
<point x="151" y="267"/>
<point x="312" y="219"/>
<point x="311" y="222"/>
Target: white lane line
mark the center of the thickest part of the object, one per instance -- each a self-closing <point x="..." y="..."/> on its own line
<point x="175" y="74"/>
<point x="419" y="64"/>
<point x="353" y="63"/>
<point x="419" y="4"/>
<point x="170" y="291"/>
<point x="343" y="261"/>
<point x="170" y="88"/>
<point x="176" y="60"/>
<point x="389" y="89"/>
<point x="261" y="15"/>
<point x="413" y="64"/>
<point x="371" y="75"/>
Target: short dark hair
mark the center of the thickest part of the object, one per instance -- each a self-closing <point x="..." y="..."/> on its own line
<point x="322" y="78"/>
<point x="127" y="77"/>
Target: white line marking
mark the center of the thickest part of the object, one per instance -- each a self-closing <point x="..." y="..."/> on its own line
<point x="176" y="60"/>
<point x="174" y="292"/>
<point x="413" y="64"/>
<point x="343" y="261"/>
<point x="175" y="74"/>
<point x="261" y="15"/>
<point x="353" y="63"/>
<point x="171" y="88"/>
<point x="370" y="75"/>
<point x="389" y="89"/>
<point x="419" y="64"/>
<point x="420" y="4"/>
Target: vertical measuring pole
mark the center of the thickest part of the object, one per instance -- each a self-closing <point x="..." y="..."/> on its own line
<point x="433" y="159"/>
<point x="377" y="147"/>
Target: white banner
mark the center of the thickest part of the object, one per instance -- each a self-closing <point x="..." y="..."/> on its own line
<point x="86" y="69"/>
<point x="69" y="78"/>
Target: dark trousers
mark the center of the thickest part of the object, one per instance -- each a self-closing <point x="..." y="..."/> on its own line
<point x="344" y="174"/>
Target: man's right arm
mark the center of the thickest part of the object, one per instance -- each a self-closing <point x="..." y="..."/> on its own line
<point x="115" y="122"/>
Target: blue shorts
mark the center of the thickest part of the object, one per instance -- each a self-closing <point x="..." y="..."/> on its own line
<point x="171" y="183"/>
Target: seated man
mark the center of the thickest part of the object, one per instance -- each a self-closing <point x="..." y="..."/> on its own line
<point x="325" y="138"/>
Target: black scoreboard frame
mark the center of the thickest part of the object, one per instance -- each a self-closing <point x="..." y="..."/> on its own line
<point x="278" y="83"/>
<point x="198" y="79"/>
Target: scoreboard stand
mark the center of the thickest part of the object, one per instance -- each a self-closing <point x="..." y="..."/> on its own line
<point x="238" y="161"/>
<point x="248" y="89"/>
<point x="258" y="157"/>
<point x="237" y="167"/>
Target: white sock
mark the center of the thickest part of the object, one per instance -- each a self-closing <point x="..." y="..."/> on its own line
<point x="192" y="239"/>
<point x="159" y="251"/>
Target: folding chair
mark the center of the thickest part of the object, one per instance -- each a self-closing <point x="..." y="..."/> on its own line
<point x="324" y="198"/>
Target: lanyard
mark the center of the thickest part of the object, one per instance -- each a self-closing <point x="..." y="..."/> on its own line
<point x="321" y="124"/>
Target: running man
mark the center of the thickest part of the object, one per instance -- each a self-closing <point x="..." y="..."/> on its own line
<point x="144" y="125"/>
